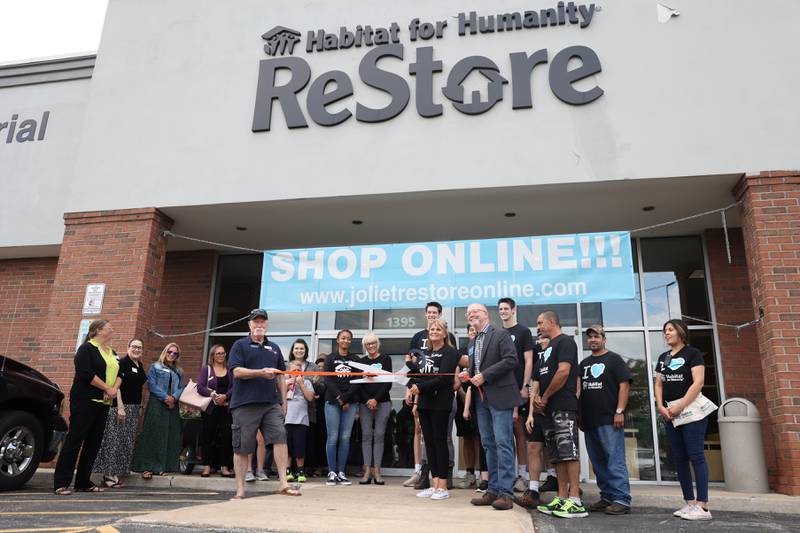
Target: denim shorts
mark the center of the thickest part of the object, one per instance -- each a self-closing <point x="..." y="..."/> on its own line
<point x="561" y="436"/>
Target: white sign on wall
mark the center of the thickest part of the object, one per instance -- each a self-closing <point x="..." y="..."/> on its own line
<point x="93" y="301"/>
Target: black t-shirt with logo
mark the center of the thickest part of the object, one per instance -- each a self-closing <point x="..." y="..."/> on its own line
<point x="676" y="371"/>
<point x="420" y="340"/>
<point x="336" y="386"/>
<point x="600" y="378"/>
<point x="562" y="349"/>
<point x="436" y="392"/>
<point x="523" y="341"/>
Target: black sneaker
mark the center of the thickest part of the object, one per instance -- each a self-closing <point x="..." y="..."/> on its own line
<point x="332" y="480"/>
<point x="483" y="486"/>
<point x="550" y="485"/>
<point x="342" y="480"/>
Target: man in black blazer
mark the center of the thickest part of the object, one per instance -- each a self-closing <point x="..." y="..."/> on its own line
<point x="492" y="367"/>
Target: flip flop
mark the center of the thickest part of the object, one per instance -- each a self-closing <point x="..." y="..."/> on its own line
<point x="62" y="491"/>
<point x="289" y="491"/>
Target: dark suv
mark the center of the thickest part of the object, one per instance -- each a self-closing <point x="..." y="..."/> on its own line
<point x="31" y="425"/>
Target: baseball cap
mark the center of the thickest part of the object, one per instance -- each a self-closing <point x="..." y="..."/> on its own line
<point x="596" y="328"/>
<point x="258" y="313"/>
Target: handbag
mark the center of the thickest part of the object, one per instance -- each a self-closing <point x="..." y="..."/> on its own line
<point x="191" y="400"/>
<point x="700" y="408"/>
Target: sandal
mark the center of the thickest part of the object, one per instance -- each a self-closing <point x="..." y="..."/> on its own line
<point x="147" y="475"/>
<point x="112" y="483"/>
<point x="289" y="491"/>
<point x="62" y="491"/>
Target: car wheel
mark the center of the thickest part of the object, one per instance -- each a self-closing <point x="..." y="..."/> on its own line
<point x="21" y="442"/>
<point x="185" y="466"/>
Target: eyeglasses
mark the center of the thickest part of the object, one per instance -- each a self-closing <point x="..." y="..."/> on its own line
<point x="173" y="352"/>
<point x="220" y="353"/>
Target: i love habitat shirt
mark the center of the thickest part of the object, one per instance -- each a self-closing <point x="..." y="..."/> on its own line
<point x="600" y="379"/>
<point x="562" y="349"/>
<point x="676" y="371"/>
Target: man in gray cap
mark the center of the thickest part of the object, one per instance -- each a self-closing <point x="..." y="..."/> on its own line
<point x="605" y="384"/>
<point x="258" y="400"/>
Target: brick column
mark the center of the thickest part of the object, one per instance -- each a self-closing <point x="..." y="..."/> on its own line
<point x="123" y="249"/>
<point x="771" y="229"/>
<point x="733" y="302"/>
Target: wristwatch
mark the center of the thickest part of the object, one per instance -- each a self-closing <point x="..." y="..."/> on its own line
<point x="620" y="411"/>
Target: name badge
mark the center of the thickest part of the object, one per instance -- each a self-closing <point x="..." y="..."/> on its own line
<point x="135" y="370"/>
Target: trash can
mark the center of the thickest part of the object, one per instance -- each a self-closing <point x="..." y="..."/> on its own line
<point x="742" y="449"/>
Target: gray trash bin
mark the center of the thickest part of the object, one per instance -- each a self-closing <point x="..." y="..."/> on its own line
<point x="742" y="449"/>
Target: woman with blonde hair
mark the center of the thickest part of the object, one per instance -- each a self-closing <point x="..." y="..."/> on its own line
<point x="433" y="393"/>
<point x="160" y="439"/>
<point x="373" y="411"/>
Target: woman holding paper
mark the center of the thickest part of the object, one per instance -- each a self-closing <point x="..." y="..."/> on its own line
<point x="680" y="374"/>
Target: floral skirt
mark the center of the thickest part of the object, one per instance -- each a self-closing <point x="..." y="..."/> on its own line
<point x="116" y="452"/>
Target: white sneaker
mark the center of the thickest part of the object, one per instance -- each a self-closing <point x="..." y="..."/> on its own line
<point x="440" y="494"/>
<point x="249" y="476"/>
<point x="261" y="475"/>
<point x="467" y="483"/>
<point x="683" y="510"/>
<point x="427" y="493"/>
<point x="520" y="485"/>
<point x="332" y="480"/>
<point x="696" y="513"/>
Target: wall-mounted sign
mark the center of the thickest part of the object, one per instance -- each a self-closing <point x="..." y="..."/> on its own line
<point x="592" y="267"/>
<point x="385" y="43"/>
<point x="83" y="330"/>
<point x="93" y="300"/>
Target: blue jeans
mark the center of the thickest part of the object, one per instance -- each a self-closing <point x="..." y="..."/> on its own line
<point x="687" y="446"/>
<point x="497" y="439"/>
<point x="606" y="448"/>
<point x="340" y="425"/>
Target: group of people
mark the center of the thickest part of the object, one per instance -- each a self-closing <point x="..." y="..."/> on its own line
<point x="523" y="400"/>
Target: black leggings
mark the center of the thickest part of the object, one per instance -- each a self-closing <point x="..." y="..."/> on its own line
<point x="434" y="431"/>
<point x="217" y="448"/>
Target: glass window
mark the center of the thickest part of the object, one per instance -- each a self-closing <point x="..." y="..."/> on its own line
<point x="336" y="320"/>
<point x="674" y="279"/>
<point x="284" y="343"/>
<point x="399" y="319"/>
<point x="703" y="340"/>
<point x="282" y="322"/>
<point x="326" y="346"/>
<point x="639" y="451"/>
<point x="526" y="315"/>
<point x="237" y="290"/>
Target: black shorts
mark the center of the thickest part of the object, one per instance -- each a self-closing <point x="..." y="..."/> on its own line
<point x="465" y="428"/>
<point x="537" y="435"/>
<point x="561" y="436"/>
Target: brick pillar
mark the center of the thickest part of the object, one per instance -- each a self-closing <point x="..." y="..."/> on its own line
<point x="183" y="306"/>
<point x="123" y="249"/>
<point x="733" y="302"/>
<point x="771" y="228"/>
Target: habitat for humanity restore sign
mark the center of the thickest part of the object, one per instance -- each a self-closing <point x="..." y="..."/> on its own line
<point x="590" y="267"/>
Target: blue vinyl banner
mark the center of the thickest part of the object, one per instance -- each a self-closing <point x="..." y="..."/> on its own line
<point x="587" y="267"/>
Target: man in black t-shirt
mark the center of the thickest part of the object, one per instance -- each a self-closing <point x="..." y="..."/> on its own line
<point x="558" y="379"/>
<point x="523" y="342"/>
<point x="605" y="385"/>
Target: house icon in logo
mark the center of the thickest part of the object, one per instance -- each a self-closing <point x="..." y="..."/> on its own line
<point x="280" y="40"/>
<point x="462" y="70"/>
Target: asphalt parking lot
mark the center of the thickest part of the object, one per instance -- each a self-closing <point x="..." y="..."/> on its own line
<point x="35" y="508"/>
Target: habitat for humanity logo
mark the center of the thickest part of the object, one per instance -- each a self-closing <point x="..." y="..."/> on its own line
<point x="384" y="44"/>
<point x="280" y="40"/>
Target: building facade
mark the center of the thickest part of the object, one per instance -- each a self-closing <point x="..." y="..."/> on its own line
<point x="300" y="124"/>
